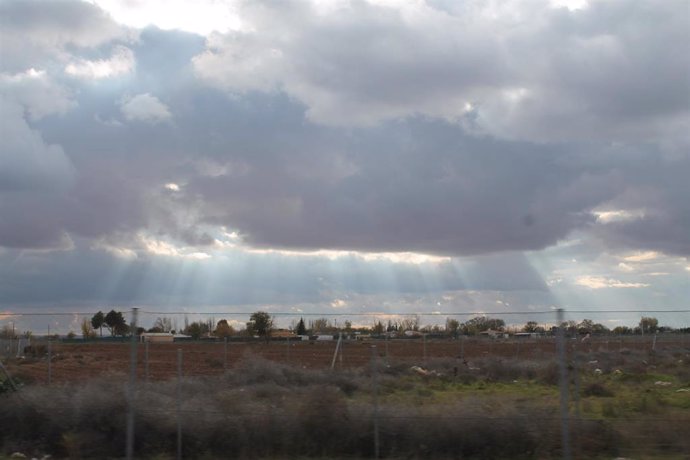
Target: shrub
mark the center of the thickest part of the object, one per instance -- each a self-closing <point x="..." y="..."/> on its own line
<point x="597" y="389"/>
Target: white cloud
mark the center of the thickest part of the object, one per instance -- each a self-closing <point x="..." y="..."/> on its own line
<point x="200" y="17"/>
<point x="600" y="282"/>
<point x="645" y="256"/>
<point x="39" y="95"/>
<point x="620" y="215"/>
<point x="145" y="108"/>
<point x="120" y="63"/>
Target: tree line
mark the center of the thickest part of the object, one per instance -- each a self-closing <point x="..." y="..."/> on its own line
<point x="262" y="324"/>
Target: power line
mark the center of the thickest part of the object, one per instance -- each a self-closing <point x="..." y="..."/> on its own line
<point x="345" y="314"/>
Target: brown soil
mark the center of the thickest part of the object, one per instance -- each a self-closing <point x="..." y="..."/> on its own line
<point x="75" y="362"/>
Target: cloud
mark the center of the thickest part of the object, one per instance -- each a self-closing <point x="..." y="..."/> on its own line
<point x="145" y="108"/>
<point x="598" y="282"/>
<point x="34" y="176"/>
<point x="33" y="31"/>
<point x="358" y="151"/>
<point x="521" y="70"/>
<point x="36" y="92"/>
<point x="120" y="63"/>
<point x="200" y="17"/>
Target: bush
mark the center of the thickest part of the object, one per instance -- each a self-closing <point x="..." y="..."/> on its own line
<point x="597" y="389"/>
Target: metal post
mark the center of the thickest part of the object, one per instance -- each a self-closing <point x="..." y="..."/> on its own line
<point x="565" y="431"/>
<point x="146" y="359"/>
<point x="50" y="361"/>
<point x="654" y="343"/>
<point x="179" y="404"/>
<point x="288" y="349"/>
<point x="462" y="346"/>
<point x="8" y="377"/>
<point x="225" y="355"/>
<point x="374" y="381"/>
<point x="517" y="352"/>
<point x="130" y="388"/>
<point x="424" y="348"/>
<point x="386" y="341"/>
<point x="335" y="354"/>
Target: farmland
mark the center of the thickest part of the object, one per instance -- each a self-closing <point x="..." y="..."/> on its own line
<point x="78" y="361"/>
<point x="472" y="398"/>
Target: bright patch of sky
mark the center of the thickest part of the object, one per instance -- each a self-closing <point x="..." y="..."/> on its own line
<point x="200" y="17"/>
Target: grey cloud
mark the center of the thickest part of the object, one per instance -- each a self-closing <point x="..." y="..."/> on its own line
<point x="36" y="92"/>
<point x="85" y="276"/>
<point x="34" y="178"/>
<point x="253" y="164"/>
<point x="607" y="72"/>
<point x="34" y="32"/>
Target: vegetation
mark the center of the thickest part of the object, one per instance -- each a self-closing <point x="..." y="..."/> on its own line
<point x="489" y="408"/>
<point x="98" y="321"/>
<point x="260" y="323"/>
<point x="301" y="328"/>
<point x="115" y="323"/>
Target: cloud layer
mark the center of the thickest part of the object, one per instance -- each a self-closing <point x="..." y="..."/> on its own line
<point x="463" y="130"/>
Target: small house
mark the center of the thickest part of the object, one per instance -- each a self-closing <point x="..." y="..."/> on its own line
<point x="157" y="337"/>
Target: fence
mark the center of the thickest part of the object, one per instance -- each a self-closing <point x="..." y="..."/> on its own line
<point x="162" y="372"/>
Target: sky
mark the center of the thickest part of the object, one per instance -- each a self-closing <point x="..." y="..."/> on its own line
<point x="346" y="157"/>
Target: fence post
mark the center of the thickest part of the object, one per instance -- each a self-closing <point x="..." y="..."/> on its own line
<point x="130" y="388"/>
<point x="424" y="348"/>
<point x="146" y="359"/>
<point x="8" y="376"/>
<point x="288" y="350"/>
<point x="374" y="381"/>
<point x="517" y="352"/>
<point x="386" y="341"/>
<point x="225" y="355"/>
<point x="50" y="360"/>
<point x="565" y="431"/>
<point x="179" y="404"/>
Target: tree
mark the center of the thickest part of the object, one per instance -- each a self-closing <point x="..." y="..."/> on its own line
<point x="223" y="329"/>
<point x="622" y="330"/>
<point x="586" y="326"/>
<point x="196" y="330"/>
<point x="260" y="323"/>
<point x="649" y="325"/>
<point x="532" y="326"/>
<point x="321" y="325"/>
<point x="482" y="323"/>
<point x="162" y="324"/>
<point x="599" y="329"/>
<point x="410" y="323"/>
<point x="377" y="328"/>
<point x="116" y="323"/>
<point x="87" y="330"/>
<point x="452" y="326"/>
<point x="97" y="322"/>
<point x="301" y="328"/>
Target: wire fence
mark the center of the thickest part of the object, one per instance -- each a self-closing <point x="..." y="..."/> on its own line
<point x="143" y="366"/>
